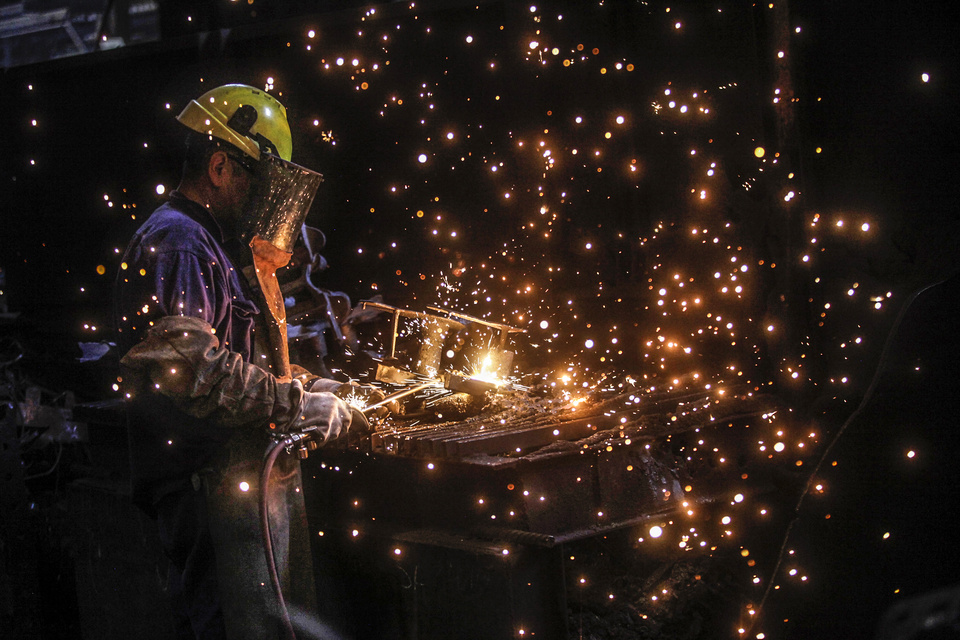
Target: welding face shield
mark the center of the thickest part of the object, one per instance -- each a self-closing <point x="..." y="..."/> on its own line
<point x="282" y="196"/>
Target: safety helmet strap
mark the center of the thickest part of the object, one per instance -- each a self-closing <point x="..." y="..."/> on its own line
<point x="243" y="120"/>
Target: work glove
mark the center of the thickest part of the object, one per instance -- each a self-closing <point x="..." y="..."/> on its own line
<point x="358" y="421"/>
<point x="324" y="414"/>
<point x="360" y="394"/>
<point x="364" y="396"/>
<point x="306" y="378"/>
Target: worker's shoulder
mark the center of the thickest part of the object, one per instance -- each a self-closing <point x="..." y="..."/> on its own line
<point x="171" y="228"/>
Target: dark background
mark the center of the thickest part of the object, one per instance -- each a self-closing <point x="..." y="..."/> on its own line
<point x="888" y="155"/>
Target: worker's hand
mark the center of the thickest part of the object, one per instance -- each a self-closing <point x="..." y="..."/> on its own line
<point x="358" y="422"/>
<point x="356" y="391"/>
<point x="324" y="414"/>
<point x="363" y="396"/>
<point x="305" y="377"/>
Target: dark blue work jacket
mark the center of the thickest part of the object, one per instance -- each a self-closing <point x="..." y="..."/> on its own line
<point x="176" y="265"/>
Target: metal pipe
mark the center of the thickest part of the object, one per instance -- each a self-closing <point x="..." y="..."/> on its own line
<point x="400" y="394"/>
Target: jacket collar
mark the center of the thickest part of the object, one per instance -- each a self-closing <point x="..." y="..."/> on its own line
<point x="199" y="213"/>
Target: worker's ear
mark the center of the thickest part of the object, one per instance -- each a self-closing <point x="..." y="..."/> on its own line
<point x="217" y="168"/>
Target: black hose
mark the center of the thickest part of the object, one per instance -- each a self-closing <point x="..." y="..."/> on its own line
<point x="864" y="401"/>
<point x="272" y="453"/>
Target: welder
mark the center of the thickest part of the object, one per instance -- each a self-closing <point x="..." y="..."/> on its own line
<point x="207" y="379"/>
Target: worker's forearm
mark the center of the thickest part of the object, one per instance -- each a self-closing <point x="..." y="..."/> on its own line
<point x="181" y="358"/>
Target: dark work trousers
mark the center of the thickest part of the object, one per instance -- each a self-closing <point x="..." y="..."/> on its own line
<point x="192" y="581"/>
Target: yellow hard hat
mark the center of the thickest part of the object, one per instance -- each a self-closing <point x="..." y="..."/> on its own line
<point x="249" y="119"/>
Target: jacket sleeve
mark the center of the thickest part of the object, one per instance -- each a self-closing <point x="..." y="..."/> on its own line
<point x="181" y="359"/>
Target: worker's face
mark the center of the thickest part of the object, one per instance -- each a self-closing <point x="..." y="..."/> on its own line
<point x="239" y="180"/>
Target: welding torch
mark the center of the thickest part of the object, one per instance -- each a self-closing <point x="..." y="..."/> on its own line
<point x="304" y="438"/>
<point x="305" y="441"/>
